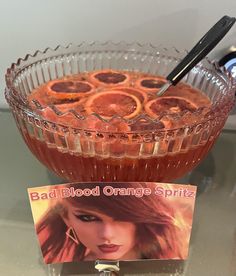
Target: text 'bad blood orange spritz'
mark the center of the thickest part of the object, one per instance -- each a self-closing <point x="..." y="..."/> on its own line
<point x="120" y="130"/>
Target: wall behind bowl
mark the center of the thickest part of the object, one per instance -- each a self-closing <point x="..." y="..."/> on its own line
<point x="27" y="25"/>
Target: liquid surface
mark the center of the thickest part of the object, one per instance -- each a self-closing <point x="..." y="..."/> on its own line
<point x="119" y="94"/>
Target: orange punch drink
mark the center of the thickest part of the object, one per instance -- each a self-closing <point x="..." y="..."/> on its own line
<point x="92" y="113"/>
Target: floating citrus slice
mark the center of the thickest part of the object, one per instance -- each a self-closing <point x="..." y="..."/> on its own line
<point x="144" y="125"/>
<point x="113" y="103"/>
<point x="150" y="84"/>
<point x="69" y="89"/>
<point x="95" y="123"/>
<point x="38" y="99"/>
<point x="61" y="113"/>
<point x="168" y="105"/>
<point x="191" y="94"/>
<point x="109" y="78"/>
<point x="142" y="96"/>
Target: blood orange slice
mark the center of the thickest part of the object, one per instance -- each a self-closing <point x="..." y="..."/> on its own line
<point x="188" y="92"/>
<point x="150" y="84"/>
<point x="94" y="123"/>
<point x="168" y="105"/>
<point x="69" y="89"/>
<point x="38" y="99"/>
<point x="62" y="114"/>
<point x="109" y="78"/>
<point x="113" y="103"/>
<point x="142" y="96"/>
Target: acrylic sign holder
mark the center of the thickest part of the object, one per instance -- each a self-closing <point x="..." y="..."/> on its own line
<point x="103" y="268"/>
<point x="114" y="268"/>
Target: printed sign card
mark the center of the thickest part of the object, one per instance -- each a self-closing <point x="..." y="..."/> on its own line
<point x="113" y="221"/>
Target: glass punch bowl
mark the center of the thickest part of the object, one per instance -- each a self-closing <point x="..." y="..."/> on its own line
<point x="145" y="154"/>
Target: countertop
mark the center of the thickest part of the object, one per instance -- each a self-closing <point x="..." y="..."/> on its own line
<point x="213" y="239"/>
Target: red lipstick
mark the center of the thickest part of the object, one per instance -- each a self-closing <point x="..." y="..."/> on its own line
<point x="109" y="248"/>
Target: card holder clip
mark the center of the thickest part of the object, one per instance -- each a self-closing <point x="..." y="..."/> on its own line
<point x="107" y="268"/>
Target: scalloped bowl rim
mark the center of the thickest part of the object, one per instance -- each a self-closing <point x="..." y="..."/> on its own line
<point x="25" y="108"/>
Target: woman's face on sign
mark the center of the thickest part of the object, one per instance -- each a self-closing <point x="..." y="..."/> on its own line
<point x="104" y="237"/>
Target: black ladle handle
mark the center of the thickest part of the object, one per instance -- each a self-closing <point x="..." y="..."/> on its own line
<point x="201" y="49"/>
